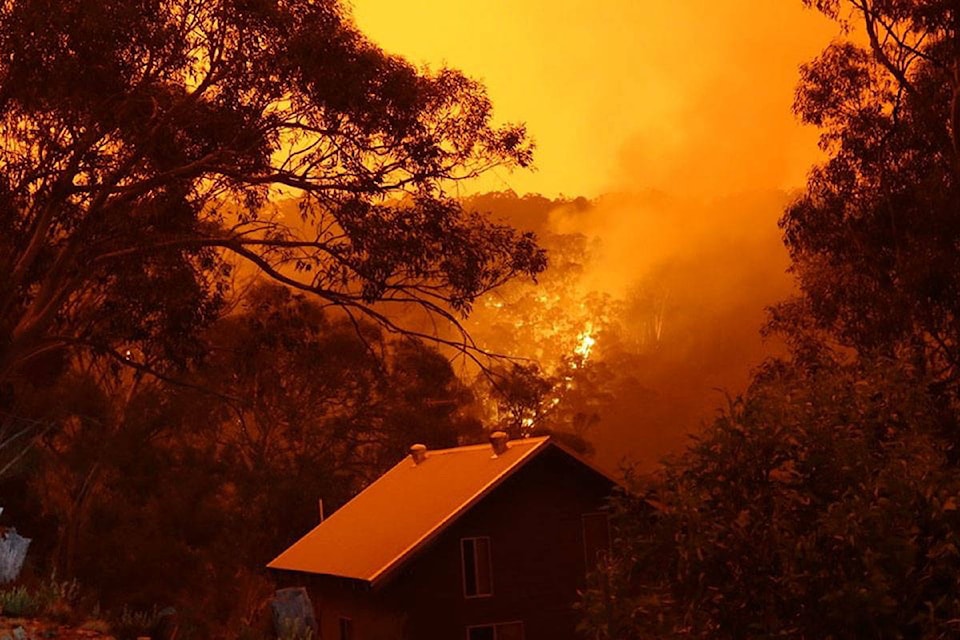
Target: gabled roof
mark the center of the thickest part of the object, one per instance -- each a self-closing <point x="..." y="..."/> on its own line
<point x="405" y="508"/>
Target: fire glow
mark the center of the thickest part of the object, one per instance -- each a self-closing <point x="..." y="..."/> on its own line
<point x="585" y="344"/>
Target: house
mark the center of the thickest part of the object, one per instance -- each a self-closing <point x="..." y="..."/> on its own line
<point x="485" y="542"/>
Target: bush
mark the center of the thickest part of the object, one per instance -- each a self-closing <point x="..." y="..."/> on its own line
<point x="58" y="598"/>
<point x="132" y="624"/>
<point x="20" y="602"/>
<point x="51" y="598"/>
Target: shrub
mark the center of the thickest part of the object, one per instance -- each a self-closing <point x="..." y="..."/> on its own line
<point x="58" y="598"/>
<point x="132" y="624"/>
<point x="20" y="602"/>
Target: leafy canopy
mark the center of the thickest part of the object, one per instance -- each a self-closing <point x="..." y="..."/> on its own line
<point x="143" y="140"/>
<point x="874" y="238"/>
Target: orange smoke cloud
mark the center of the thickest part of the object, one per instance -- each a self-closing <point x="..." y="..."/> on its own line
<point x="620" y="91"/>
<point x="680" y="114"/>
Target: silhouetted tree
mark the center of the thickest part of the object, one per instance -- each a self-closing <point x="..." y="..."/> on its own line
<point x="144" y="139"/>
<point x="152" y="494"/>
<point x="874" y="238"/>
<point x="820" y="505"/>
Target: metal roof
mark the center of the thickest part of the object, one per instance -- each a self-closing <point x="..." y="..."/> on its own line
<point x="404" y="509"/>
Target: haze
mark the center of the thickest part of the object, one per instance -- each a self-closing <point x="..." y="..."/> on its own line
<point x="675" y="120"/>
<point x="624" y="93"/>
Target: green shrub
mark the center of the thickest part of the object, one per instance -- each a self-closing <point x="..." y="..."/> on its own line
<point x="20" y="602"/>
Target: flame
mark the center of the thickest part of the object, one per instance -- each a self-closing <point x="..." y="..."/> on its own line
<point x="585" y="343"/>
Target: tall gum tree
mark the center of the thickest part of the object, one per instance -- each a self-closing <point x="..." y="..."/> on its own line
<point x="141" y="142"/>
<point x="874" y="239"/>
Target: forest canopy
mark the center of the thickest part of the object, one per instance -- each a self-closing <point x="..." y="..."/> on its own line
<point x="143" y="145"/>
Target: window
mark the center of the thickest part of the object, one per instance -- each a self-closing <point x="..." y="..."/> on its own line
<point x="477" y="571"/>
<point x="596" y="538"/>
<point x="486" y="632"/>
<point x="346" y="629"/>
<point x="501" y="631"/>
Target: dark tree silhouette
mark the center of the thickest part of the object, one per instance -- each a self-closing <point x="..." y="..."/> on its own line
<point x="141" y="478"/>
<point x="874" y="238"/>
<point x="820" y="505"/>
<point x="144" y="139"/>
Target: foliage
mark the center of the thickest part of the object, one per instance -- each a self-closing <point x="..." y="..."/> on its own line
<point x="819" y="506"/>
<point x="143" y="141"/>
<point x="131" y="624"/>
<point x="295" y="403"/>
<point x="60" y="597"/>
<point x="874" y="237"/>
<point x="293" y="630"/>
<point x="608" y="608"/>
<point x="623" y="328"/>
<point x="525" y="397"/>
<point x="540" y="320"/>
<point x="153" y="150"/>
<point x="19" y="602"/>
<point x="52" y="598"/>
<point x="526" y="401"/>
<point x="824" y="502"/>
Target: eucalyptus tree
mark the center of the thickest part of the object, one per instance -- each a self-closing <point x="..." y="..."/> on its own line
<point x="144" y="142"/>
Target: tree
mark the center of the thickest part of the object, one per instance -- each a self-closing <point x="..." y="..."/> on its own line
<point x="303" y="389"/>
<point x="291" y="405"/>
<point x="874" y="237"/>
<point x="820" y="505"/>
<point x="143" y="142"/>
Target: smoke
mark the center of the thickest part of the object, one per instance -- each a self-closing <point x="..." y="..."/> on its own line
<point x="675" y="119"/>
<point x="693" y="277"/>
<point x="686" y="235"/>
<point x="624" y="94"/>
<point x="730" y="68"/>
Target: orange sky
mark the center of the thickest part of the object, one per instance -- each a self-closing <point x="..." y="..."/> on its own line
<point x="626" y="94"/>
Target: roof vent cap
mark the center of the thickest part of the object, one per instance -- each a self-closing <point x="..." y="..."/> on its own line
<point x="418" y="452"/>
<point x="498" y="440"/>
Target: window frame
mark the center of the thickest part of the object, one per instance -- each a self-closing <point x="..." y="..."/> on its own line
<point x="350" y="635"/>
<point x="495" y="625"/>
<point x="476" y="564"/>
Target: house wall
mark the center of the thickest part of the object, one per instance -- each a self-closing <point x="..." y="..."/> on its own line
<point x="534" y="523"/>
<point x="374" y="613"/>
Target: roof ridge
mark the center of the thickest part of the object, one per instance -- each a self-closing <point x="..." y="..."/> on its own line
<point x="485" y="445"/>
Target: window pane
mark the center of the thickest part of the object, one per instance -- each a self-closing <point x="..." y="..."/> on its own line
<point x="469" y="567"/>
<point x="484" y="573"/>
<point x="510" y="631"/>
<point x="480" y="633"/>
